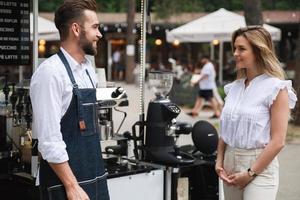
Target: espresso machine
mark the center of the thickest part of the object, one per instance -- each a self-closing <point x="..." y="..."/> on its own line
<point x="15" y="128"/>
<point x="113" y="144"/>
<point x="162" y="128"/>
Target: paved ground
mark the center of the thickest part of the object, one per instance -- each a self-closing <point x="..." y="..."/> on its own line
<point x="289" y="157"/>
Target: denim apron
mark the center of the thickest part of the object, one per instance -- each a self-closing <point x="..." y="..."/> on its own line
<point x="79" y="132"/>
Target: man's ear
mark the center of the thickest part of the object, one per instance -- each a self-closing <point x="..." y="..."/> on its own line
<point x="75" y="28"/>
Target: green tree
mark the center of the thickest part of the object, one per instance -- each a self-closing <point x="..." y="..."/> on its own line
<point x="49" y="5"/>
<point x="112" y="5"/>
<point x="130" y="37"/>
<point x="164" y="8"/>
<point x="252" y="10"/>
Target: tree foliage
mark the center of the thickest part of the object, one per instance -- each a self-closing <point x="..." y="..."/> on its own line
<point x="49" y="5"/>
<point x="252" y="10"/>
<point x="164" y="8"/>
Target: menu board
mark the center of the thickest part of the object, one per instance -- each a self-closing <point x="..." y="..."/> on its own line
<point x="15" y="32"/>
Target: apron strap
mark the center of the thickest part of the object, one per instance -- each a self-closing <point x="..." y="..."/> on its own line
<point x="75" y="90"/>
<point x="90" y="78"/>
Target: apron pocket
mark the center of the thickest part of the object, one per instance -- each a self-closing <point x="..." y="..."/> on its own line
<point x="90" y="119"/>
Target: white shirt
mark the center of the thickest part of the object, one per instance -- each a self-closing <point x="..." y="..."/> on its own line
<point x="116" y="56"/>
<point x="209" y="82"/>
<point x="245" y="119"/>
<point x="51" y="94"/>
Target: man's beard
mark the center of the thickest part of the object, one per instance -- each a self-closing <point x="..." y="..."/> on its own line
<point x="86" y="45"/>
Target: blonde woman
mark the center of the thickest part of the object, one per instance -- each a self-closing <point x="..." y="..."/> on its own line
<point x="254" y="119"/>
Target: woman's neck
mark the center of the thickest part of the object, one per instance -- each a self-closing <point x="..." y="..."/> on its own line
<point x="250" y="75"/>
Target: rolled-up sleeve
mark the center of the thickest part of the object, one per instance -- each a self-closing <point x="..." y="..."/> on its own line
<point x="46" y="90"/>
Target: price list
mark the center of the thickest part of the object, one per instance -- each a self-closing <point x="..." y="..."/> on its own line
<point x="15" y="32"/>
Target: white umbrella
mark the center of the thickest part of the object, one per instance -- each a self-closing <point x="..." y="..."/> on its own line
<point x="217" y="25"/>
<point x="46" y="29"/>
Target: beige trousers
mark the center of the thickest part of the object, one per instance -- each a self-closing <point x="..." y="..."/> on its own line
<point x="263" y="187"/>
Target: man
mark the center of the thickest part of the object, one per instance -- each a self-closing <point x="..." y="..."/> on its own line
<point x="207" y="85"/>
<point x="63" y="94"/>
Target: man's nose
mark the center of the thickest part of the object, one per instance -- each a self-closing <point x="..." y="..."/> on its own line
<point x="99" y="35"/>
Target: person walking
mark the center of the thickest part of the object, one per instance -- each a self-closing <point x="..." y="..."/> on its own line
<point x="119" y="68"/>
<point x="63" y="94"/>
<point x="207" y="85"/>
<point x="254" y="119"/>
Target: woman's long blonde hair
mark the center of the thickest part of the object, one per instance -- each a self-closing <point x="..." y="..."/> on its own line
<point x="262" y="45"/>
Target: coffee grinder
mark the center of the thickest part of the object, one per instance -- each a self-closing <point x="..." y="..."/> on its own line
<point x="162" y="130"/>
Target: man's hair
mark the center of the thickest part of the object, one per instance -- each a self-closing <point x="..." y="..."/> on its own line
<point x="69" y="12"/>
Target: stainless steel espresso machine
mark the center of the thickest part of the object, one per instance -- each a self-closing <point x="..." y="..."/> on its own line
<point x="108" y="99"/>
<point x="15" y="128"/>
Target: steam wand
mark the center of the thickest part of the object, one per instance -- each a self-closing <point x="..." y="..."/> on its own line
<point x="6" y="90"/>
<point x="28" y="115"/>
<point x="125" y="115"/>
<point x="20" y="106"/>
<point x="13" y="100"/>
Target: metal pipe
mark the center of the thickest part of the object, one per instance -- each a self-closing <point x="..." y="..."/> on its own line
<point x="35" y="34"/>
<point x="221" y="62"/>
<point x="142" y="57"/>
<point x="34" y="152"/>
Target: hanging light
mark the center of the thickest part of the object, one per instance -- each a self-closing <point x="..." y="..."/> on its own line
<point x="42" y="42"/>
<point x="42" y="46"/>
<point x="158" y="42"/>
<point x="176" y="43"/>
<point x="215" y="42"/>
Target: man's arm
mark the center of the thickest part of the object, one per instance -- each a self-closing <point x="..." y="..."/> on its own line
<point x="65" y="174"/>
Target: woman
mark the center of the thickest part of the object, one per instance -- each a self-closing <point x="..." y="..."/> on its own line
<point x="254" y="119"/>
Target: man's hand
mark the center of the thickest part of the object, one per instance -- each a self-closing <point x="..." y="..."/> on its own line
<point x="65" y="174"/>
<point x="76" y="193"/>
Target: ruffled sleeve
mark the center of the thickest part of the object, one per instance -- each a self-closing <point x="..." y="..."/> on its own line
<point x="227" y="87"/>
<point x="291" y="94"/>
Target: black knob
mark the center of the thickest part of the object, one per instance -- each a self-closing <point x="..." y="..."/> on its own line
<point x="117" y="92"/>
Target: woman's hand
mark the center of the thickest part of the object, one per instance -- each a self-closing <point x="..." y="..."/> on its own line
<point x="222" y="174"/>
<point x="240" y="179"/>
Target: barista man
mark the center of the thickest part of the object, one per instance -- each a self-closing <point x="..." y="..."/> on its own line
<point x="63" y="91"/>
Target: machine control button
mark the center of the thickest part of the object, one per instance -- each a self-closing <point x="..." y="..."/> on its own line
<point x="174" y="108"/>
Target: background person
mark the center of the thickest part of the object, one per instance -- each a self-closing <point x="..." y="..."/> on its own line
<point x="207" y="84"/>
<point x="119" y="67"/>
<point x="254" y="119"/>
<point x="63" y="93"/>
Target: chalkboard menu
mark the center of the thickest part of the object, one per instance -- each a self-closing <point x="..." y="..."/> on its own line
<point x="15" y="32"/>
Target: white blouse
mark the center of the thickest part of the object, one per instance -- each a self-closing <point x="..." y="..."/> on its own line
<point x="245" y="119"/>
